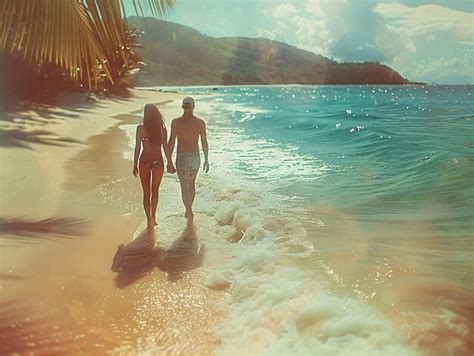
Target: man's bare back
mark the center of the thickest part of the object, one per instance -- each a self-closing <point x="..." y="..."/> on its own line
<point x="187" y="130"/>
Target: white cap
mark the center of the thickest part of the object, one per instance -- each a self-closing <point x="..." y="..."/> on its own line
<point x="188" y="100"/>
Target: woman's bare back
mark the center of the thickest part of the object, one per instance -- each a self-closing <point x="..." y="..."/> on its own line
<point x="151" y="151"/>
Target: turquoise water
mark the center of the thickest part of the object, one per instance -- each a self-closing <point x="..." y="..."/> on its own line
<point x="379" y="178"/>
<point x="400" y="145"/>
<point x="385" y="154"/>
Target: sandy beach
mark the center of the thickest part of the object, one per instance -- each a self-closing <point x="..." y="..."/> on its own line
<point x="63" y="171"/>
<point x="264" y="269"/>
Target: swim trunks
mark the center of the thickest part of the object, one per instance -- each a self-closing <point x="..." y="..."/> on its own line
<point x="187" y="164"/>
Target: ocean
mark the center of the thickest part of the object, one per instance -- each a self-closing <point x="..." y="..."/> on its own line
<point x="347" y="216"/>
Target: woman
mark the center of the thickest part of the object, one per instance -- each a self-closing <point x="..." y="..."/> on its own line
<point x="152" y="135"/>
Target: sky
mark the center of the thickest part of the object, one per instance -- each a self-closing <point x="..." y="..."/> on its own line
<point x="424" y="40"/>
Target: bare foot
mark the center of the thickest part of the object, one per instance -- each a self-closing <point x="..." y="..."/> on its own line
<point x="154" y="223"/>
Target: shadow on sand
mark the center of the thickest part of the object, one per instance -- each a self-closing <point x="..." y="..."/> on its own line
<point x="43" y="229"/>
<point x="140" y="256"/>
<point x="21" y="139"/>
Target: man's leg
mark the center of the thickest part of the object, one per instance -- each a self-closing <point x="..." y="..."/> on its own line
<point x="184" y="183"/>
<point x="192" y="187"/>
<point x="192" y="194"/>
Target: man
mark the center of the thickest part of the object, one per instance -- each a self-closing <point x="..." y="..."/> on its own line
<point x="187" y="129"/>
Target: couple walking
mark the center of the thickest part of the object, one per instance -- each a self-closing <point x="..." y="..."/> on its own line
<point x="151" y="136"/>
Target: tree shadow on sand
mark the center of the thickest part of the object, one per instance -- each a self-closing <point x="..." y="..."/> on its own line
<point x="68" y="106"/>
<point x="43" y="229"/>
<point x="141" y="256"/>
<point x="22" y="139"/>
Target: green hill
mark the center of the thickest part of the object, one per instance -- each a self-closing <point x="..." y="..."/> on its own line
<point x="179" y="55"/>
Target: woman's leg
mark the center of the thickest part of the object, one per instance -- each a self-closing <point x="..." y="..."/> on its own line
<point x="156" y="176"/>
<point x="145" y="174"/>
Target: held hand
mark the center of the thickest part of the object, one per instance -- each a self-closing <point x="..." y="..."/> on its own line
<point x="170" y="168"/>
<point x="205" y="166"/>
<point x="135" y="171"/>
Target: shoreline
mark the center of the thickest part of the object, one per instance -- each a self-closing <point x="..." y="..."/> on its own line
<point x="63" y="253"/>
<point x="251" y="246"/>
<point x="348" y="259"/>
<point x="210" y="86"/>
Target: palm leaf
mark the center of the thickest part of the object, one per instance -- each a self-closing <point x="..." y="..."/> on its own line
<point x="85" y="37"/>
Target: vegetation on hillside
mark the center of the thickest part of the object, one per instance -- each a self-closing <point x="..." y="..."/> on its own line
<point x="179" y="55"/>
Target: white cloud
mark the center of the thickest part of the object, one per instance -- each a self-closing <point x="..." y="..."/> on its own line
<point x="284" y="10"/>
<point x="279" y="33"/>
<point x="379" y="30"/>
<point x="312" y="7"/>
<point x="454" y="70"/>
<point x="353" y="31"/>
<point x="430" y="18"/>
<point x="312" y="35"/>
<point x="333" y="28"/>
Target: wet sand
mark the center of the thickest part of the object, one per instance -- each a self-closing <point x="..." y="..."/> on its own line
<point x="65" y="209"/>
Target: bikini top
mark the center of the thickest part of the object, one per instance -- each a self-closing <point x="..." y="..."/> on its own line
<point x="148" y="139"/>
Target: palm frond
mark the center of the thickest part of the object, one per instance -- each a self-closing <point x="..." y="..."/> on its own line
<point x="86" y="37"/>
